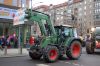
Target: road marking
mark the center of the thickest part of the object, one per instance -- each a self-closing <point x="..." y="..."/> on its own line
<point x="41" y="65"/>
<point x="76" y="64"/>
<point x="68" y="62"/>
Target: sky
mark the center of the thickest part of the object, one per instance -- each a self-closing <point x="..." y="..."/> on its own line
<point x="47" y="2"/>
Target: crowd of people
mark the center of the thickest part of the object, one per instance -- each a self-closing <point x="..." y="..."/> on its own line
<point x="10" y="41"/>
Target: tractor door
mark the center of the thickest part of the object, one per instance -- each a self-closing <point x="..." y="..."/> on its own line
<point x="63" y="33"/>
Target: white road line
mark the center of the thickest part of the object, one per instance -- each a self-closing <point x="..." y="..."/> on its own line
<point x="41" y="65"/>
<point x="76" y="64"/>
<point x="68" y="62"/>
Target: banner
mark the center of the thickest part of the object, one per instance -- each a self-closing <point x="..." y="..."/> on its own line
<point x="19" y="18"/>
<point x="7" y="13"/>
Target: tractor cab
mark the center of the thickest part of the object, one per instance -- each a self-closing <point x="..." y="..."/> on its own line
<point x="66" y="31"/>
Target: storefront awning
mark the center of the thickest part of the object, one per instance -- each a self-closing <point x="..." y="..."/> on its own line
<point x="6" y="20"/>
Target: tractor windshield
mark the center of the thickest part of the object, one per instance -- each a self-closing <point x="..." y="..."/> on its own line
<point x="67" y="31"/>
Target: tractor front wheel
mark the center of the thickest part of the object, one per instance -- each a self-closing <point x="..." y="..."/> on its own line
<point x="89" y="47"/>
<point x="50" y="54"/>
<point x="74" y="50"/>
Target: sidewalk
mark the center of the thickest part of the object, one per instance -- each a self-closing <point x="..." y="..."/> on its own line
<point x="13" y="53"/>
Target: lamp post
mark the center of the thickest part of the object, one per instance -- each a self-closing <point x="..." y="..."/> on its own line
<point x="19" y="36"/>
<point x="19" y="32"/>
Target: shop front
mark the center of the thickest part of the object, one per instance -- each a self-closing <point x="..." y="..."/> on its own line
<point x="7" y="13"/>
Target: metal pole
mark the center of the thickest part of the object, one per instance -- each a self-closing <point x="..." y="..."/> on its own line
<point x="19" y="43"/>
<point x="20" y="47"/>
<point x="5" y="50"/>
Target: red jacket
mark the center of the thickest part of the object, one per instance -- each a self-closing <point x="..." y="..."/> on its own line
<point x="31" y="40"/>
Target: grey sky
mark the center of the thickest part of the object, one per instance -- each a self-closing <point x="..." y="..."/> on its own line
<point x="47" y="2"/>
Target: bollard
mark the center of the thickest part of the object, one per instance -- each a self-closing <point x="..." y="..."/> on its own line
<point x="20" y="50"/>
<point x="5" y="50"/>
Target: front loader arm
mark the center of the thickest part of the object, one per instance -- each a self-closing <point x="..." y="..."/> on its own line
<point x="38" y="17"/>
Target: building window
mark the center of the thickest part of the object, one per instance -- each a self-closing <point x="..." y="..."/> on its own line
<point x="1" y="1"/>
<point x="95" y="11"/>
<point x="80" y="3"/>
<point x="85" y="2"/>
<point x="97" y="16"/>
<point x="80" y="14"/>
<point x="90" y="6"/>
<point x="80" y="9"/>
<point x="90" y="12"/>
<point x="24" y="3"/>
<point x="14" y="2"/>
<point x="95" y="5"/>
<point x="62" y="17"/>
<point x="61" y="13"/>
<point x="84" y="13"/>
<point x="85" y="8"/>
<point x="57" y="18"/>
<point x="69" y="11"/>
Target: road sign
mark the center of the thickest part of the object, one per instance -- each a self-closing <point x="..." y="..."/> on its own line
<point x="19" y="17"/>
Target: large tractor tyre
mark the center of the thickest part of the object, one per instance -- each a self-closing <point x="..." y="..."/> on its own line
<point x="35" y="55"/>
<point x="74" y="51"/>
<point x="50" y="54"/>
<point x="89" y="48"/>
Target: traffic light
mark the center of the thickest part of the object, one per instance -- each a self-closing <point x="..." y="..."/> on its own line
<point x="27" y="14"/>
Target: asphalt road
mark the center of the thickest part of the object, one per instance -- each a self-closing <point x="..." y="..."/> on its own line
<point x="84" y="60"/>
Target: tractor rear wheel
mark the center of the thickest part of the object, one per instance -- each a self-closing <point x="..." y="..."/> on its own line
<point x="74" y="50"/>
<point x="89" y="47"/>
<point x="50" y="54"/>
<point x="35" y="55"/>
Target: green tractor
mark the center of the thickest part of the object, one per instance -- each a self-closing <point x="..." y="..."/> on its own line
<point x="55" y="41"/>
<point x="93" y="40"/>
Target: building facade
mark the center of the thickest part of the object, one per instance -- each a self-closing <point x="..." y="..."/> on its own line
<point x="83" y="13"/>
<point x="17" y="3"/>
<point x="97" y="12"/>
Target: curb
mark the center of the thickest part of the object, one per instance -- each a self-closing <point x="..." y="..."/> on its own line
<point x="9" y="56"/>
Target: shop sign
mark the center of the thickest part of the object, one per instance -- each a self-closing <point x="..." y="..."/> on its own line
<point x="19" y="18"/>
<point x="7" y="13"/>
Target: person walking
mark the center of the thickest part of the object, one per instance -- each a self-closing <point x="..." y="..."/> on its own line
<point x="4" y="41"/>
<point x="1" y="43"/>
